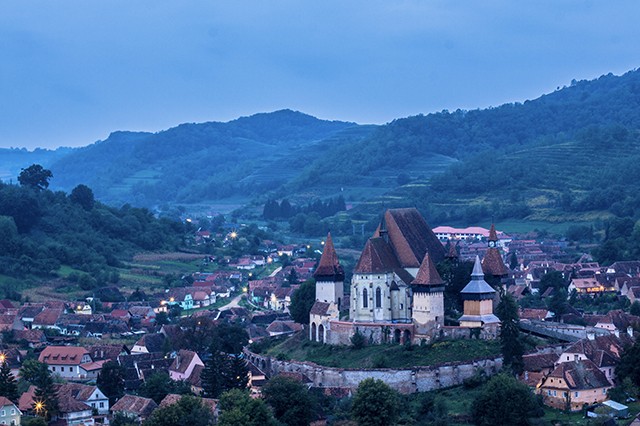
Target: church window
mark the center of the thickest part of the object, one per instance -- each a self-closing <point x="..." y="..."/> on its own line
<point x="402" y="306"/>
<point x="378" y="298"/>
<point x="365" y="301"/>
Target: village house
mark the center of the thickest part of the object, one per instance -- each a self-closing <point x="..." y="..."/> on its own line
<point x="134" y="407"/>
<point x="9" y="412"/>
<point x="184" y="364"/>
<point x="573" y="384"/>
<point x="603" y="351"/>
<point x="89" y="395"/>
<point x="69" y="362"/>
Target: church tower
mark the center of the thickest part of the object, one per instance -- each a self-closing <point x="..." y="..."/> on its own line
<point x="329" y="276"/>
<point x="478" y="300"/>
<point x="492" y="264"/>
<point x="428" y="297"/>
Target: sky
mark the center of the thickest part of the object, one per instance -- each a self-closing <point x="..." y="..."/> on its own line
<point x="72" y="72"/>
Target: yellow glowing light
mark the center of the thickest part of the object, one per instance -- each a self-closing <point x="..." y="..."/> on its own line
<point x="308" y="246"/>
<point x="244" y="289"/>
<point x="250" y="274"/>
<point x="233" y="235"/>
<point x="171" y="299"/>
<point x="3" y="357"/>
<point x="269" y="260"/>
<point x="39" y="406"/>
<point x="189" y="220"/>
<point x="322" y="242"/>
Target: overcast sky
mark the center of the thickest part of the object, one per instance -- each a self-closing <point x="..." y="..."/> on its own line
<point x="71" y="72"/>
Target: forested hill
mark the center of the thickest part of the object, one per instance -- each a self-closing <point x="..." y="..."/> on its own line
<point x="193" y="162"/>
<point x="42" y="230"/>
<point x="569" y="156"/>
<point x="609" y="100"/>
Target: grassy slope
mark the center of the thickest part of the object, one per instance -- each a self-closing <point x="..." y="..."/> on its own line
<point x="395" y="356"/>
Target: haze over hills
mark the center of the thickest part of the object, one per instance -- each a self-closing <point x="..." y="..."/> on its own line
<point x="553" y="159"/>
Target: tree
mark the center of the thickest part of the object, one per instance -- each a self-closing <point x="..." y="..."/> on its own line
<point x="121" y="419"/>
<point x="553" y="279"/>
<point x="634" y="309"/>
<point x="302" y="300"/>
<point x="35" y="176"/>
<point x="375" y="404"/>
<point x="31" y="370"/>
<point x="189" y="410"/>
<point x="289" y="399"/>
<point x="45" y="394"/>
<point x="83" y="195"/>
<point x="237" y="408"/>
<point x="111" y="381"/>
<point x="504" y="401"/>
<point x="629" y="366"/>
<point x="513" y="261"/>
<point x="223" y="372"/>
<point x="160" y="385"/>
<point x="511" y="345"/>
<point x="236" y="373"/>
<point x="8" y="385"/>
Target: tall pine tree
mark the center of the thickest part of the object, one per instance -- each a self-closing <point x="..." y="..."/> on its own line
<point x="46" y="395"/>
<point x="512" y="348"/>
<point x="8" y="386"/>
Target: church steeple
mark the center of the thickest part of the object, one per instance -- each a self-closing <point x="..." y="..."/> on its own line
<point x="329" y="276"/>
<point x="427" y="274"/>
<point x="329" y="268"/>
<point x="492" y="264"/>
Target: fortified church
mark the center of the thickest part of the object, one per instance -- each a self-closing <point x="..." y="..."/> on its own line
<point x="396" y="292"/>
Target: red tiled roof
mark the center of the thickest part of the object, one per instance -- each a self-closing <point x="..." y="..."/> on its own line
<point x="580" y="375"/>
<point x="48" y="316"/>
<point x="319" y="308"/>
<point x="182" y="361"/>
<point x="135" y="405"/>
<point x="377" y="256"/>
<point x="329" y="268"/>
<point x="62" y="355"/>
<point x="492" y="264"/>
<point x="428" y="274"/>
<point x="410" y="237"/>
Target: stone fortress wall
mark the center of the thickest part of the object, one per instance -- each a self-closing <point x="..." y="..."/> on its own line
<point x="408" y="380"/>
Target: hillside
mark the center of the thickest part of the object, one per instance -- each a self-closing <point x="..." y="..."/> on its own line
<point x="541" y="160"/>
<point x="192" y="162"/>
<point x="551" y="159"/>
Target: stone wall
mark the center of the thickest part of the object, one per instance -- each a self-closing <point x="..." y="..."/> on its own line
<point x="416" y="379"/>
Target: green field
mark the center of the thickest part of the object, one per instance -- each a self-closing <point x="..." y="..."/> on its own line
<point x="388" y="356"/>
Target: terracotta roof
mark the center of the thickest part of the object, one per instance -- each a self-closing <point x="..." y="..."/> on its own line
<point x="377" y="257"/>
<point x="62" y="355"/>
<point x="580" y="375"/>
<point x="603" y="350"/>
<point x="539" y="362"/>
<point x="329" y="268"/>
<point x="6" y="303"/>
<point x="319" y="308"/>
<point x="182" y="361"/>
<point x="4" y="401"/>
<point x="173" y="398"/>
<point x="284" y="327"/>
<point x="531" y="313"/>
<point x="492" y="264"/>
<point x="410" y="237"/>
<point x="48" y="316"/>
<point x="76" y="390"/>
<point x="453" y="251"/>
<point x="135" y="405"/>
<point x="152" y="342"/>
<point x="428" y="274"/>
<point x="493" y="235"/>
<point x="25" y="403"/>
<point x="196" y="374"/>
